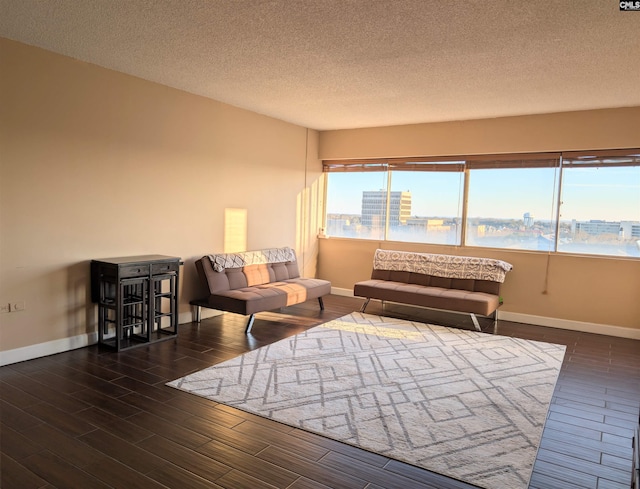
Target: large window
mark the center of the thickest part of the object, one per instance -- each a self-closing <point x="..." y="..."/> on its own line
<point x="512" y="203"/>
<point x="356" y="203"/>
<point x="571" y="202"/>
<point x="600" y="211"/>
<point x="421" y="202"/>
<point x="427" y="198"/>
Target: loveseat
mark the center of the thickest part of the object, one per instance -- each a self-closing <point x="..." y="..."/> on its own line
<point x="255" y="281"/>
<point x="454" y="283"/>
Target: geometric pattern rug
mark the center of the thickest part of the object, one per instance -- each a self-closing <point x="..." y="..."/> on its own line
<point x="468" y="405"/>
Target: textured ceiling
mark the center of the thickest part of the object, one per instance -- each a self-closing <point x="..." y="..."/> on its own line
<point x="333" y="64"/>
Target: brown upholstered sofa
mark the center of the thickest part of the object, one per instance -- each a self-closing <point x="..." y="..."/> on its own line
<point x="255" y="281"/>
<point x="454" y="283"/>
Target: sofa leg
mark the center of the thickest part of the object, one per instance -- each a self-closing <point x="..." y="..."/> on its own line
<point x="321" y="302"/>
<point x="364" y="306"/>
<point x="197" y="314"/>
<point x="475" y="321"/>
<point x="249" y="324"/>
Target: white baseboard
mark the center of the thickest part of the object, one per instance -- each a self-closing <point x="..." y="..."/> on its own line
<point x="342" y="292"/>
<point x="596" y="328"/>
<point x="204" y="314"/>
<point x="47" y="348"/>
<point x="516" y="317"/>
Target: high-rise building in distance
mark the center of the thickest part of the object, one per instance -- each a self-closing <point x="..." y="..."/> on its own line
<point x="374" y="208"/>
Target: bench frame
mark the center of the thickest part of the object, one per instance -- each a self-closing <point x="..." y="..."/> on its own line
<point x="474" y="317"/>
<point x="198" y="304"/>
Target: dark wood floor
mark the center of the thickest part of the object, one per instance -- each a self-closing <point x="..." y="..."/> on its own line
<point x="92" y="418"/>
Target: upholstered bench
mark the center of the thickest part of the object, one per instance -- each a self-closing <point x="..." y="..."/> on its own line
<point x="255" y="281"/>
<point x="454" y="283"/>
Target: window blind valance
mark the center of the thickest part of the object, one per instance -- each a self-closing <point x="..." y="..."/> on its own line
<point x="444" y="163"/>
<point x="595" y="159"/>
<point x="582" y="159"/>
<point x="420" y="165"/>
<point x="548" y="162"/>
<point x="354" y="165"/>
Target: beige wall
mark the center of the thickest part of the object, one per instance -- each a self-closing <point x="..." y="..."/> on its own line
<point x="605" y="291"/>
<point x="97" y="164"/>
<point x="592" y="129"/>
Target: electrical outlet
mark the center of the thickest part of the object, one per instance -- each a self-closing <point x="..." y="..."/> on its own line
<point x="18" y="306"/>
<point x="5" y="308"/>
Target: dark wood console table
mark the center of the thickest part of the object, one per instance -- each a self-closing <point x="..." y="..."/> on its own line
<point x="137" y="299"/>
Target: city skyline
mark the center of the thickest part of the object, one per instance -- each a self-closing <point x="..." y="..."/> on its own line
<point x="458" y="218"/>
<point x="611" y="194"/>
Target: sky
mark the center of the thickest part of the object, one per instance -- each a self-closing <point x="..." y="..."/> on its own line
<point x="611" y="194"/>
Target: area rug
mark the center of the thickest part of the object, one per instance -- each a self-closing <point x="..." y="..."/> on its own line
<point x="468" y="405"/>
